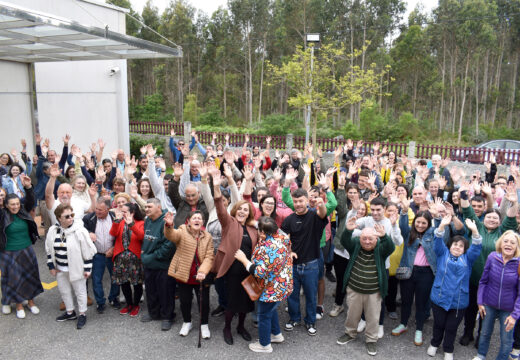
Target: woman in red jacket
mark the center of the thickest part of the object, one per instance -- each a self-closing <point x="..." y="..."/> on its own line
<point x="128" y="230"/>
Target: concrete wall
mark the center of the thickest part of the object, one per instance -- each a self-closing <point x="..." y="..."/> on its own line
<point x="78" y="98"/>
<point x="15" y="106"/>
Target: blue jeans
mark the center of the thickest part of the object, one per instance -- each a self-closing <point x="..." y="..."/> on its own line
<point x="99" y="263"/>
<point x="506" y="337"/>
<point x="305" y="275"/>
<point x="267" y="321"/>
<point x="321" y="265"/>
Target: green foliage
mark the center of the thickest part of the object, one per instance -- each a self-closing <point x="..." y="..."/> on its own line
<point x="211" y="116"/>
<point x="350" y="131"/>
<point x="407" y="128"/>
<point x="138" y="141"/>
<point x="373" y="124"/>
<point x="151" y="111"/>
<point x="191" y="110"/>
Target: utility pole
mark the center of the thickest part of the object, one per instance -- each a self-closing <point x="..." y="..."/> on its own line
<point x="314" y="41"/>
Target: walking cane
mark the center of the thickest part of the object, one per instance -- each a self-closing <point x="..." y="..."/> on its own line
<point x="200" y="314"/>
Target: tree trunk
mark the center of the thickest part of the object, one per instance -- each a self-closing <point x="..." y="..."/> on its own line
<point x="484" y="89"/>
<point x="476" y="96"/>
<point x="497" y="80"/>
<point x="261" y="81"/>
<point x="250" y="73"/>
<point x="463" y="99"/>
<point x="512" y="95"/>
<point x="225" y="94"/>
<point x="441" y="111"/>
<point x="414" y="100"/>
<point x="180" y="90"/>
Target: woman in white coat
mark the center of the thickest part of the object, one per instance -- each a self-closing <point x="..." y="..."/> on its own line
<point x="69" y="257"/>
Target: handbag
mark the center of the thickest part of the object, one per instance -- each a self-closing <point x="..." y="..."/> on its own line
<point x="403" y="272"/>
<point x="252" y="287"/>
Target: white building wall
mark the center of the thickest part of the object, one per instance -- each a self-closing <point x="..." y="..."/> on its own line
<point x="15" y="106"/>
<point x="79" y="97"/>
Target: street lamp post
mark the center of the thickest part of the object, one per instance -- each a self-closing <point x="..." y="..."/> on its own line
<point x="312" y="40"/>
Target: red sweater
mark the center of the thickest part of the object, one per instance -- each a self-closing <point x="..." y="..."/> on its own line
<point x="136" y="237"/>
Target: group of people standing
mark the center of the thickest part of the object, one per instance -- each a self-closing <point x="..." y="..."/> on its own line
<point x="372" y="222"/>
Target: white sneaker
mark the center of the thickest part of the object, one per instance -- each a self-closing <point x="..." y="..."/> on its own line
<point x="6" y="309"/>
<point x="204" y="329"/>
<point x="361" y="326"/>
<point x="448" y="356"/>
<point x="257" y="347"/>
<point x="432" y="350"/>
<point x="381" y="332"/>
<point x="185" y="329"/>
<point x="277" y="338"/>
<point x="336" y="310"/>
<point x="34" y="309"/>
<point x="20" y="314"/>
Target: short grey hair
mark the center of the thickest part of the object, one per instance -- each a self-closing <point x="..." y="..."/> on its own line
<point x="154" y="201"/>
<point x="104" y="200"/>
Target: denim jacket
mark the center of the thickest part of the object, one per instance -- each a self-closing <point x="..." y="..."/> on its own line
<point x="426" y="241"/>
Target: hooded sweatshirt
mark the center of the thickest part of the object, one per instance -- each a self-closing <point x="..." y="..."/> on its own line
<point x="156" y="251"/>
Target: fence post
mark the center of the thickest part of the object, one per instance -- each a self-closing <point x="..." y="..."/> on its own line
<point x="187" y="132"/>
<point x="411" y="149"/>
<point x="289" y="138"/>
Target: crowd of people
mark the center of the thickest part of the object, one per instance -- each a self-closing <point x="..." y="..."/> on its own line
<point x="372" y="222"/>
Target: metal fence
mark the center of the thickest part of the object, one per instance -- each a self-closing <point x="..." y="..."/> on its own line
<point x="469" y="154"/>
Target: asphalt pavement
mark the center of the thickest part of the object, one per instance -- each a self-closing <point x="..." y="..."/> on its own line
<point x="112" y="336"/>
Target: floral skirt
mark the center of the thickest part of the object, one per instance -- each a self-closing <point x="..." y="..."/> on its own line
<point x="127" y="268"/>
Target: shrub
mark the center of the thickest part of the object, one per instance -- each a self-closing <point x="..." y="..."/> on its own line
<point x="138" y="141"/>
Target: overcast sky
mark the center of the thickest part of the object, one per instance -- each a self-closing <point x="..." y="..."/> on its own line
<point x="209" y="6"/>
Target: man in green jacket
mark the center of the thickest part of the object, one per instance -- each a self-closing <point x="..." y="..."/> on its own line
<point x="365" y="280"/>
<point x="156" y="255"/>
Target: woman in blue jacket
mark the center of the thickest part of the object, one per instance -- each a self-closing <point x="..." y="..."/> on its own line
<point x="450" y="291"/>
<point x="420" y="261"/>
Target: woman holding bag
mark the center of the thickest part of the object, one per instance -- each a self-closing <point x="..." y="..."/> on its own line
<point x="191" y="263"/>
<point x="271" y="263"/>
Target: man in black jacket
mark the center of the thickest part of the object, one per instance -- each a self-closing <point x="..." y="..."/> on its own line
<point x="98" y="224"/>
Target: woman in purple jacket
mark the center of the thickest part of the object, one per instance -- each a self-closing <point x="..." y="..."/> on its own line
<point x="499" y="294"/>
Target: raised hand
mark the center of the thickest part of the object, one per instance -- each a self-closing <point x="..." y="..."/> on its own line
<point x="342" y="179"/>
<point x="118" y="214"/>
<point x="258" y="163"/>
<point x="248" y="173"/>
<point x="277" y="174"/>
<point x="92" y="190"/>
<point x="442" y="182"/>
<point x="445" y="221"/>
<point x="150" y="150"/>
<point x="177" y="170"/>
<point x="246" y="138"/>
<point x="93" y="147"/>
<point x="143" y="150"/>
<point x="217" y="177"/>
<point x="214" y="136"/>
<point x="227" y="171"/>
<point x="380" y="230"/>
<point x="203" y="170"/>
<point x="37" y="139"/>
<point x="168" y="219"/>
<point x="351" y="224"/>
<point x="511" y="194"/>
<point x="55" y="171"/>
<point x="101" y="143"/>
<point x="24" y="144"/>
<point x="372" y="180"/>
<point x="66" y="139"/>
<point x="26" y="181"/>
<point x="172" y="132"/>
<point x="445" y="162"/>
<point x="405" y="203"/>
<point x="290" y="176"/>
<point x="268" y="139"/>
<point x="486" y="189"/>
<point x="472" y="226"/>
<point x="393" y="218"/>
<point x="349" y="145"/>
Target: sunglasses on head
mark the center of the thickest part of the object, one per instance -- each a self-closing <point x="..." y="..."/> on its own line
<point x="70" y="216"/>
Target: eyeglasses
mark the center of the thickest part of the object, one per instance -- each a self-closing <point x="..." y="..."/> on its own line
<point x="501" y="183"/>
<point x="70" y="216"/>
<point x="181" y="144"/>
<point x="269" y="203"/>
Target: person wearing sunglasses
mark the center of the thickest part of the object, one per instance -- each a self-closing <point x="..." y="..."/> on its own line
<point x="69" y="257"/>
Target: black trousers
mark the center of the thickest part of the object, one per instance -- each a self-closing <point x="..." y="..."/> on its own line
<point x="390" y="299"/>
<point x="127" y="292"/>
<point x="470" y="315"/>
<point x="186" y="296"/>
<point x="160" y="294"/>
<point x="445" y="325"/>
<point x="516" y="336"/>
<point x="340" y="265"/>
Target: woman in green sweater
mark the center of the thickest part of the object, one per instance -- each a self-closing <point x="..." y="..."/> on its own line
<point x="491" y="228"/>
<point x="18" y="264"/>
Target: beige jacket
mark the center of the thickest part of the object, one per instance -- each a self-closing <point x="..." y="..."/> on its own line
<point x="186" y="245"/>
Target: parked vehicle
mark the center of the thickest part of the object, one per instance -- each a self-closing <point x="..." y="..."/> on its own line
<point x="505" y="151"/>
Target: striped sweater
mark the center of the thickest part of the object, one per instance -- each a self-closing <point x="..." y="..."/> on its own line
<point x="60" y="253"/>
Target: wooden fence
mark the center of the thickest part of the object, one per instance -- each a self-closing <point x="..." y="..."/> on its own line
<point x="422" y="151"/>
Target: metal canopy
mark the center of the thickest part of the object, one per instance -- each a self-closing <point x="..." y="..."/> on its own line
<point x="28" y="36"/>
